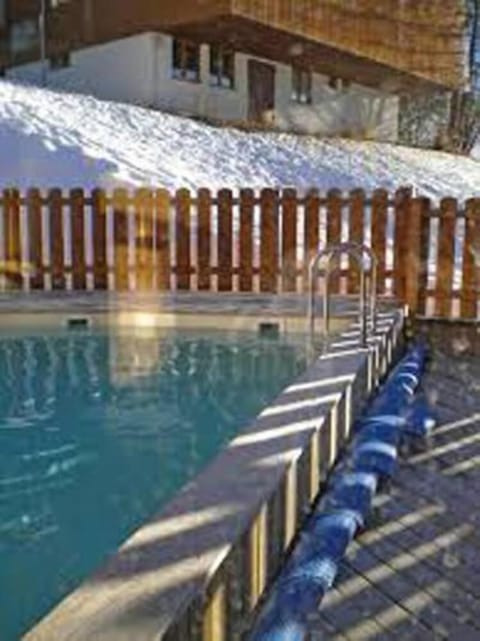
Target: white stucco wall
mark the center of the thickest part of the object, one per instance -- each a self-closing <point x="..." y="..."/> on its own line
<point x="356" y="111"/>
<point x="121" y="70"/>
<point x="139" y="70"/>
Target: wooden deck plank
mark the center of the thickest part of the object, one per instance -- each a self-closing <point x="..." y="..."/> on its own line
<point x="419" y="563"/>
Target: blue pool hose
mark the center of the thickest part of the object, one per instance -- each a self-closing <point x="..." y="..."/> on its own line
<point x="396" y="413"/>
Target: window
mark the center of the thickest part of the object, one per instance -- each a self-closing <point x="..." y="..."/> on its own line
<point x="302" y="86"/>
<point x="60" y="61"/>
<point x="23" y="36"/>
<point x="222" y="67"/>
<point x="186" y="60"/>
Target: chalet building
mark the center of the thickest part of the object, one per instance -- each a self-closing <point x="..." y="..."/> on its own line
<point x="317" y="66"/>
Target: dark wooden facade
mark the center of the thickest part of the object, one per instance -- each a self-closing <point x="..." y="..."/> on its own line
<point x="394" y="44"/>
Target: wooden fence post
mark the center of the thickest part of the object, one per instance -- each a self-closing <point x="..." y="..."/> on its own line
<point x="311" y="232"/>
<point x="182" y="239"/>
<point x="143" y="239"/>
<point x="402" y="203"/>
<point x="162" y="236"/>
<point x="57" y="255"/>
<point x="289" y="240"/>
<point x="225" y="240"/>
<point x="247" y="206"/>
<point x="355" y="235"/>
<point x="334" y="232"/>
<point x="77" y="219"/>
<point x="379" y="235"/>
<point x="416" y="258"/>
<point x="12" y="244"/>
<point x="268" y="241"/>
<point x="471" y="260"/>
<point x="204" y="239"/>
<point x="35" y="239"/>
<point x="445" y="257"/>
<point x="99" y="226"/>
<point x="120" y="239"/>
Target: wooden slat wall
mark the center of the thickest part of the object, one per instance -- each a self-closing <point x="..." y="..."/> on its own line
<point x="145" y="255"/>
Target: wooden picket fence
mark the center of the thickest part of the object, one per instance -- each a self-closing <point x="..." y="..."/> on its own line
<point x="429" y="256"/>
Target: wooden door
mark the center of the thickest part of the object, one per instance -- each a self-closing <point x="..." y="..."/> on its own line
<point x="261" y="91"/>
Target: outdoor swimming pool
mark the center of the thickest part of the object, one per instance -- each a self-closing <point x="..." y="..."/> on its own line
<point x="99" y="429"/>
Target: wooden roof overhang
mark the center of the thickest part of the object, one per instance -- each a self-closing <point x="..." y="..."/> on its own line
<point x="251" y="37"/>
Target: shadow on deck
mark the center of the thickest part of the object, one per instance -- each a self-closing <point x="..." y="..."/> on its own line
<point x="415" y="574"/>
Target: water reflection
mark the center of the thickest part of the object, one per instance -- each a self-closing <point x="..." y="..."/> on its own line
<point x="97" y="431"/>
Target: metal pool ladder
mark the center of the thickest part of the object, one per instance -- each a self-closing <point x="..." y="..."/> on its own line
<point x="356" y="251"/>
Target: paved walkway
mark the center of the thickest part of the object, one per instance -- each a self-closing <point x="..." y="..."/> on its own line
<point x="415" y="574"/>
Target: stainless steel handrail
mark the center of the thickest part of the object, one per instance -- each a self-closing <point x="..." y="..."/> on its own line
<point x="357" y="251"/>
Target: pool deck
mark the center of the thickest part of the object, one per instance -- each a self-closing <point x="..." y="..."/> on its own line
<point x="415" y="574"/>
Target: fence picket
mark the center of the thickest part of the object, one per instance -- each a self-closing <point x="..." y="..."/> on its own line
<point x="379" y="235"/>
<point x="311" y="235"/>
<point x="225" y="240"/>
<point x="402" y="202"/>
<point x="162" y="236"/>
<point x="471" y="261"/>
<point x="182" y="239"/>
<point x="289" y="240"/>
<point x="268" y="241"/>
<point x="416" y="259"/>
<point x="99" y="220"/>
<point x="77" y="219"/>
<point x="334" y="232"/>
<point x="247" y="199"/>
<point x="120" y="239"/>
<point x="57" y="254"/>
<point x="144" y="239"/>
<point x="12" y="244"/>
<point x="204" y="238"/>
<point x="35" y="239"/>
<point x="445" y="257"/>
<point x="355" y="235"/>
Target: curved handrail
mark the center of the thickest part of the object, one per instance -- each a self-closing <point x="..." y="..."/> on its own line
<point x="357" y="251"/>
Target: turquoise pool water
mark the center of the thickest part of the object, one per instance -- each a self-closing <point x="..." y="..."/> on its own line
<point x="97" y="431"/>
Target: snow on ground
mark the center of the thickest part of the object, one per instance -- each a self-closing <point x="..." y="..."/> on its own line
<point x="50" y="138"/>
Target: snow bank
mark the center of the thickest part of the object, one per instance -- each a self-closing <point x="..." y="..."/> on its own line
<point x="51" y="138"/>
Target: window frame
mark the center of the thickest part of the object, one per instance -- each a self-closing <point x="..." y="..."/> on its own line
<point x="222" y="75"/>
<point x="302" y="86"/>
<point x="23" y="37"/>
<point x="182" y="69"/>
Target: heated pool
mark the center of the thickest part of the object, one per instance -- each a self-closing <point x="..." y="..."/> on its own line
<point x="99" y="429"/>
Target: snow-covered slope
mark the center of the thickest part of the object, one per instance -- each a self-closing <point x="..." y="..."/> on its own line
<point x="50" y="138"/>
